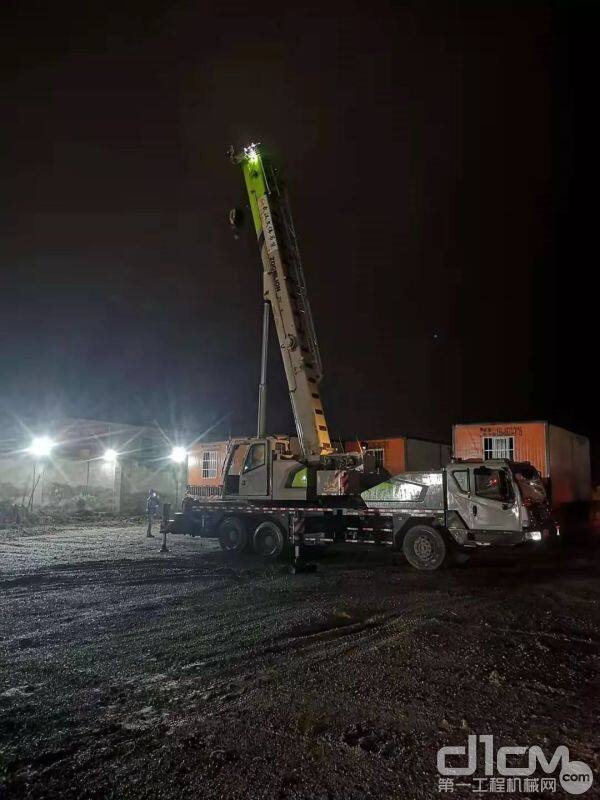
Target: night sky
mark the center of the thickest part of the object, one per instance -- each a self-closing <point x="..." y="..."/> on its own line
<point x="441" y="163"/>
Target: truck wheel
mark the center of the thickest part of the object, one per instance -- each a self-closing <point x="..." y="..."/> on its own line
<point x="233" y="536"/>
<point x="424" y="547"/>
<point x="269" y="540"/>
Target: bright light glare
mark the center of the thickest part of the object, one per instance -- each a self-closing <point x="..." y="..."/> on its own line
<point x="110" y="455"/>
<point x="251" y="153"/>
<point x="41" y="446"/>
<point x="178" y="455"/>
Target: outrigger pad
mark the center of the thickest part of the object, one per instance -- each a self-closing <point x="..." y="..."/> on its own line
<point x="298" y="568"/>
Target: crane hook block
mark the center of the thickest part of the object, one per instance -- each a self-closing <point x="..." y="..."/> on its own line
<point x="236" y="217"/>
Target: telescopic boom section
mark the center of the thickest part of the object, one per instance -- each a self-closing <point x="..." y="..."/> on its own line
<point x="285" y="289"/>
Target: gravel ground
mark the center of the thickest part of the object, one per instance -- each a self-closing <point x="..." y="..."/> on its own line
<point x="129" y="674"/>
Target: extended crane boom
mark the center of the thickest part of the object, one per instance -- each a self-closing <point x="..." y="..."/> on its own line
<point x="284" y="288"/>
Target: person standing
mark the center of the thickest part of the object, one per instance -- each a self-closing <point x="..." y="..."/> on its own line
<point x="152" y="506"/>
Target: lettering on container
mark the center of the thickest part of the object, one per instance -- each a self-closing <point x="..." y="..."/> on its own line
<point x="495" y="430"/>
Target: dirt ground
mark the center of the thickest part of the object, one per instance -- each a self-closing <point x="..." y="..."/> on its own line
<point x="125" y="673"/>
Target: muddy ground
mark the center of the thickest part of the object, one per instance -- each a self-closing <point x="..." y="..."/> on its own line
<point x="129" y="674"/>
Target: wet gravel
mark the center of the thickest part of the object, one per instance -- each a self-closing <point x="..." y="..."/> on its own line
<point x="126" y="673"/>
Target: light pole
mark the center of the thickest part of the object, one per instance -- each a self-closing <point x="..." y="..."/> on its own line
<point x="40" y="448"/>
<point x="111" y="458"/>
<point x="179" y="457"/>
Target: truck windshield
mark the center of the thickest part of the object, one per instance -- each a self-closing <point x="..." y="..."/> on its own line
<point x="530" y="484"/>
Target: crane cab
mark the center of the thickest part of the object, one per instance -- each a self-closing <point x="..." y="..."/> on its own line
<point x="263" y="469"/>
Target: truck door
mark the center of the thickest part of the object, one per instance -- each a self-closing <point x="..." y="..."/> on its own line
<point x="233" y="468"/>
<point x="493" y="503"/>
<point x="459" y="493"/>
<point x="254" y="478"/>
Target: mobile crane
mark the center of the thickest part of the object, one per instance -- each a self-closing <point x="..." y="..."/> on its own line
<point x="273" y="498"/>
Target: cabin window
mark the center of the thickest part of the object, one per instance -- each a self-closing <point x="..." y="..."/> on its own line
<point x="499" y="447"/>
<point x="462" y="479"/>
<point x="492" y="484"/>
<point x="256" y="457"/>
<point x="209" y="464"/>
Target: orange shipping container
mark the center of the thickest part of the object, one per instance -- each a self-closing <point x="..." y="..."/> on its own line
<point x="205" y="465"/>
<point x="561" y="457"/>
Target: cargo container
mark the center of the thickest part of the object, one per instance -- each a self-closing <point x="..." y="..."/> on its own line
<point x="403" y="453"/>
<point x="561" y="457"/>
<point x="205" y="466"/>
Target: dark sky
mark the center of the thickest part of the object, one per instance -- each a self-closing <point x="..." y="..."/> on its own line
<point x="440" y="159"/>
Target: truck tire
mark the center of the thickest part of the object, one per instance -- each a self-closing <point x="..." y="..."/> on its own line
<point x="269" y="540"/>
<point x="233" y="536"/>
<point x="425" y="548"/>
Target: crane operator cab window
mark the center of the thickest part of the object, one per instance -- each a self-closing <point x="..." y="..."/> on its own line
<point x="254" y="481"/>
<point x="256" y="457"/>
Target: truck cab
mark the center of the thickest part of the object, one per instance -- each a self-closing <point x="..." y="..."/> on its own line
<point x="498" y="500"/>
<point x="442" y="514"/>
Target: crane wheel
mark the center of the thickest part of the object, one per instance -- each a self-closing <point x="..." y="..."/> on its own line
<point x="233" y="536"/>
<point x="425" y="548"/>
<point x="269" y="540"/>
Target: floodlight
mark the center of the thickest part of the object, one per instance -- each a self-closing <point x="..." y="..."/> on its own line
<point x="41" y="446"/>
<point x="251" y="153"/>
<point x="178" y="455"/>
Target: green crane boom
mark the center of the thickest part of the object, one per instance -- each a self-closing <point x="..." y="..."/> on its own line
<point x="284" y="288"/>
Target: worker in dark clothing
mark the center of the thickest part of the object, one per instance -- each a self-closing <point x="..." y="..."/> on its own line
<point x="152" y="506"/>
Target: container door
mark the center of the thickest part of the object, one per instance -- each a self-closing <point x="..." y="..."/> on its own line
<point x="493" y="501"/>
<point x="254" y="480"/>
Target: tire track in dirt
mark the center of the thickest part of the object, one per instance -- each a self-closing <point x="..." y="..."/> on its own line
<point x="331" y="642"/>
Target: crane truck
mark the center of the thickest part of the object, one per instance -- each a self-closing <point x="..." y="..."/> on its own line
<point x="274" y="499"/>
